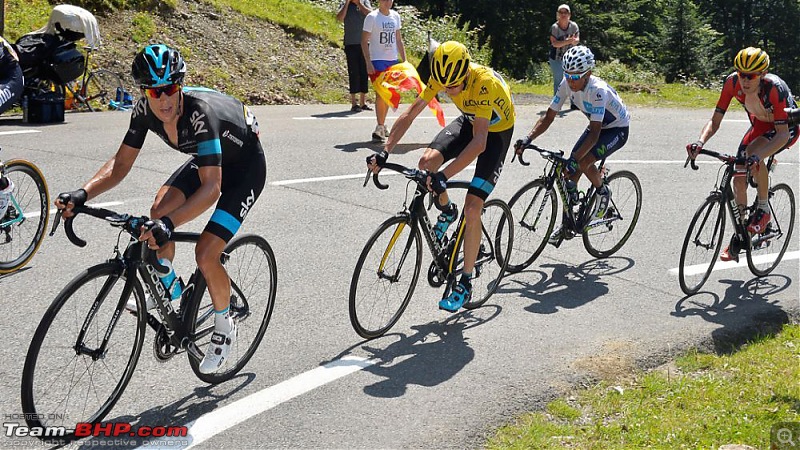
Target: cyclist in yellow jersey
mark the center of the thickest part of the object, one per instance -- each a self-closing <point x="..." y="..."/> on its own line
<point x="482" y="131"/>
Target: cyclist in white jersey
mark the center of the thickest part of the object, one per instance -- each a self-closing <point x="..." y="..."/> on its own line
<point x="608" y="124"/>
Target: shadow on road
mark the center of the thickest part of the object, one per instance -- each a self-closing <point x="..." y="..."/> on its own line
<point x="566" y="287"/>
<point x="743" y="312"/>
<point x="399" y="149"/>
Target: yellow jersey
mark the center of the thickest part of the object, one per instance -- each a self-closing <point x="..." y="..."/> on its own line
<point x="486" y="95"/>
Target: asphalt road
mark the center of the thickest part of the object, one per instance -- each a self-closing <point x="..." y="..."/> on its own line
<point x="437" y="380"/>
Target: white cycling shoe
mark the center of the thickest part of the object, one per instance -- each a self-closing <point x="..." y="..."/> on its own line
<point x="217" y="351"/>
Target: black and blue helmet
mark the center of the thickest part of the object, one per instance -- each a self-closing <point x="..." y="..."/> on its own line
<point x="158" y="65"/>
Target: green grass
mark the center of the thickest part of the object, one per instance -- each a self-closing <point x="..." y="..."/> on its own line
<point x="711" y="401"/>
<point x="24" y="16"/>
<point x="142" y="28"/>
<point x="292" y="14"/>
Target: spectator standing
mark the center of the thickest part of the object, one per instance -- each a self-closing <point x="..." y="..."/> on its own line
<point x="382" y="45"/>
<point x="352" y="14"/>
<point x="564" y="34"/>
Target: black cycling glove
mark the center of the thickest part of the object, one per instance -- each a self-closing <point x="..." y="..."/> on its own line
<point x="379" y="158"/>
<point x="437" y="182"/>
<point x="161" y="228"/>
<point x="520" y="145"/>
<point x="78" y="198"/>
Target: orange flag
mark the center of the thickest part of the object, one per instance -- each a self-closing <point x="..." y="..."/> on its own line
<point x="403" y="77"/>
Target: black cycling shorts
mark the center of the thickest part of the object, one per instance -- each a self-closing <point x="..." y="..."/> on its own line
<point x="609" y="141"/>
<point x="452" y="140"/>
<point x="241" y="187"/>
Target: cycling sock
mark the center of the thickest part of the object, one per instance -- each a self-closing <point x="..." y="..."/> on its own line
<point x="222" y="321"/>
<point x="763" y="205"/>
<point x="444" y="208"/>
<point x="465" y="279"/>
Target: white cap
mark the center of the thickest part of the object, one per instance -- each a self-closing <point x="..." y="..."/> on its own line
<point x="564" y="6"/>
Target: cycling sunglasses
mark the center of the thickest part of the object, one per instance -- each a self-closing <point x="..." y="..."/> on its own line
<point x="155" y="92"/>
<point x="749" y="76"/>
<point x="575" y="77"/>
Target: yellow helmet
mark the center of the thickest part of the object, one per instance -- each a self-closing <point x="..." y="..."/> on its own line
<point x="450" y="63"/>
<point x="751" y="59"/>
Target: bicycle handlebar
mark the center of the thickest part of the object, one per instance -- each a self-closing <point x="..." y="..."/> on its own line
<point x="727" y="159"/>
<point x="419" y="176"/>
<point x="128" y="222"/>
<point x="544" y="153"/>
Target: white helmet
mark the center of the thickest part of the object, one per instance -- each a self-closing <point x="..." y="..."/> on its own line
<point x="578" y="59"/>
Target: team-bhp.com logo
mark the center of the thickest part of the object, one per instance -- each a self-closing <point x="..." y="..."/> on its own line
<point x="84" y="429"/>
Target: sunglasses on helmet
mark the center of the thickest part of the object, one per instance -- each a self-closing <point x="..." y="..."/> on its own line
<point x="575" y="76"/>
<point x="155" y="92"/>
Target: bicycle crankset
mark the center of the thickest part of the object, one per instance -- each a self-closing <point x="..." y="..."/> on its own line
<point x="163" y="350"/>
<point x="435" y="276"/>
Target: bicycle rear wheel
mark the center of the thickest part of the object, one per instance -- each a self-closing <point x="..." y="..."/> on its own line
<point x="251" y="266"/>
<point x="701" y="245"/>
<point x="24" y="223"/>
<point x="63" y="383"/>
<point x="604" y="237"/>
<point x="101" y="88"/>
<point x="535" y="211"/>
<point x="767" y="249"/>
<point x="497" y="238"/>
<point x="385" y="277"/>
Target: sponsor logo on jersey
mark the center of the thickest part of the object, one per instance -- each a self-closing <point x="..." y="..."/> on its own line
<point x="246" y="204"/>
<point x="227" y="134"/>
<point x="484" y="91"/>
<point x="197" y="122"/>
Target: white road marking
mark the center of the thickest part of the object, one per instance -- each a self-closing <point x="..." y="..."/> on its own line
<point x="339" y="177"/>
<point x="6" y="133"/>
<point x="723" y="265"/>
<point x="372" y="118"/>
<point x="221" y="419"/>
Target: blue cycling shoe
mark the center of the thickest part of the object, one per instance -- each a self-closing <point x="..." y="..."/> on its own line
<point x="460" y="295"/>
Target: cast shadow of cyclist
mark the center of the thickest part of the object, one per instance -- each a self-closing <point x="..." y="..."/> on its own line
<point x="204" y="399"/>
<point x="400" y="149"/>
<point x="567" y="287"/>
<point x="743" y="312"/>
<point x="432" y="355"/>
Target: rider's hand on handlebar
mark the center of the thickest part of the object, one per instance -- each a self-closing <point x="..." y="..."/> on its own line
<point x="752" y="162"/>
<point x="376" y="161"/>
<point x="520" y="145"/>
<point x="694" y="148"/>
<point x="68" y="200"/>
<point x="157" y="232"/>
<point x="437" y="182"/>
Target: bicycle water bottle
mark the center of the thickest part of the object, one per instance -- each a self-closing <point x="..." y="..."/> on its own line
<point x="172" y="283"/>
<point x="572" y="190"/>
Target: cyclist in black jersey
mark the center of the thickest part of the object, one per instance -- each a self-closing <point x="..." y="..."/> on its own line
<point x="227" y="167"/>
<point x="10" y="76"/>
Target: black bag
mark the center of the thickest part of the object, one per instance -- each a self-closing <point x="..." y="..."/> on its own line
<point x="46" y="107"/>
<point x="32" y="49"/>
<point x="65" y="64"/>
<point x="49" y="57"/>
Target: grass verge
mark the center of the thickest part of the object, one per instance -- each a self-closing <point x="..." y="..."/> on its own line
<point x="702" y="401"/>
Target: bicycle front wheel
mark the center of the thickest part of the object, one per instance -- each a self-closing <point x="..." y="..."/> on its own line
<point x="101" y="88"/>
<point x="24" y="223"/>
<point x="767" y="249"/>
<point x="385" y="277"/>
<point x="701" y="245"/>
<point x="251" y="267"/>
<point x="497" y="238"/>
<point x="67" y="378"/>
<point x="604" y="237"/>
<point x="535" y="210"/>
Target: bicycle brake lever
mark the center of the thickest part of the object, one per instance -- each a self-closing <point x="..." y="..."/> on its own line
<point x="56" y="221"/>
<point x="366" y="178"/>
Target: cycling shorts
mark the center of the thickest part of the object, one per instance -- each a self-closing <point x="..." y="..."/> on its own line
<point x="767" y="130"/>
<point x="241" y="187"/>
<point x="452" y="140"/>
<point x="610" y="140"/>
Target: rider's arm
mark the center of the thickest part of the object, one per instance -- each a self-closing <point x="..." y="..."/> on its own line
<point x="542" y="124"/>
<point x="480" y="132"/>
<point x="402" y="123"/>
<point x="724" y="101"/>
<point x="710" y="129"/>
<point x="590" y="141"/>
<point x="112" y="172"/>
<point x="202" y="199"/>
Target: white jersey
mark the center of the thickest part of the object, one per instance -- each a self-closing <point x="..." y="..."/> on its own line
<point x="598" y="101"/>
<point x="383" y="35"/>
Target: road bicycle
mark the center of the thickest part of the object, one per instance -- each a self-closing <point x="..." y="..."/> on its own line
<point x="86" y="346"/>
<point x="98" y="86"/>
<point x="389" y="265"/>
<point x="23" y="225"/>
<point x="535" y="209"/>
<point x="703" y="240"/>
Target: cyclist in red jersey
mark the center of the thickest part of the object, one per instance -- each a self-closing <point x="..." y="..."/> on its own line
<point x="764" y="97"/>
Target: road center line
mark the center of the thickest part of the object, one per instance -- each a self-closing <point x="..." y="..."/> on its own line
<point x="723" y="265"/>
<point x="237" y="412"/>
<point x="6" y="133"/>
<point x="372" y="118"/>
<point x="96" y="205"/>
<point x="338" y="177"/>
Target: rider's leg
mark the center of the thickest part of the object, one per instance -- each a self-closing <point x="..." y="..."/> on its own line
<point x="207" y="254"/>
<point x="431" y="161"/>
<point x="473" y="206"/>
<point x="168" y="199"/>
